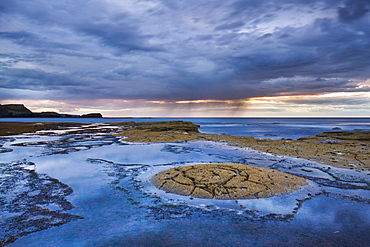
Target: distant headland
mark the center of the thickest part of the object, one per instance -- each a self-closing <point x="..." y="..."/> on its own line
<point x="19" y="110"/>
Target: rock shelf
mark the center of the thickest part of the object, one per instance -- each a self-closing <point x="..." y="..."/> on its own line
<point x="226" y="181"/>
<point x="342" y="149"/>
<point x="338" y="148"/>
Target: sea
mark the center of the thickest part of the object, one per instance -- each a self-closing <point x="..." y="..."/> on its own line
<point x="271" y="128"/>
<point x="76" y="188"/>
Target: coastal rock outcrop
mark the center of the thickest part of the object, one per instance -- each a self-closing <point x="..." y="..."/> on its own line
<point x="343" y="149"/>
<point x="168" y="131"/>
<point x="92" y="115"/>
<point x="226" y="181"/>
<point x="46" y="114"/>
<point x="14" y="110"/>
<point x="19" y="110"/>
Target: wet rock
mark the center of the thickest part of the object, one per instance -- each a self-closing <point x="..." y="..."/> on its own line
<point x="347" y="135"/>
<point x="74" y="140"/>
<point x="5" y="150"/>
<point x="180" y="149"/>
<point x="352" y="147"/>
<point x="154" y="132"/>
<point x="15" y="128"/>
<point x="30" y="202"/>
<point x="336" y="184"/>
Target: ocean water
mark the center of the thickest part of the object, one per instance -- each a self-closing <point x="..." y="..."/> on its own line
<point x="272" y="128"/>
<point x="90" y="189"/>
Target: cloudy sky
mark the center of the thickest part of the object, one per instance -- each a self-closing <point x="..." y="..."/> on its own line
<point x="241" y="58"/>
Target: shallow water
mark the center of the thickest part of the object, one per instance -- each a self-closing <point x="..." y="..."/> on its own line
<point x="93" y="190"/>
<point x="271" y="128"/>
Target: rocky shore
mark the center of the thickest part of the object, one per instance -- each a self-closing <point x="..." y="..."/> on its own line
<point x="339" y="148"/>
<point x="17" y="128"/>
<point x="115" y="160"/>
<point x="19" y="110"/>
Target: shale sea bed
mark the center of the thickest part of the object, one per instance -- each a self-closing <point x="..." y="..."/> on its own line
<point x="167" y="184"/>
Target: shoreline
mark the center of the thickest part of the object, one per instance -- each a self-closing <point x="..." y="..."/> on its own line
<point x="343" y="149"/>
<point x="171" y="179"/>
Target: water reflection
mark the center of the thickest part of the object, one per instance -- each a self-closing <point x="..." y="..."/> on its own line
<point x="30" y="202"/>
<point x="111" y="191"/>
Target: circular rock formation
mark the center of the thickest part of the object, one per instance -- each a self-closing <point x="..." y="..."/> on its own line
<point x="226" y="181"/>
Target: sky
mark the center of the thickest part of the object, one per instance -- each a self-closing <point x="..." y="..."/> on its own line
<point x="187" y="58"/>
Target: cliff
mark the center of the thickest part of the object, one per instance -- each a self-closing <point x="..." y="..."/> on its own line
<point x="14" y="110"/>
<point x="92" y="115"/>
<point x="19" y="110"/>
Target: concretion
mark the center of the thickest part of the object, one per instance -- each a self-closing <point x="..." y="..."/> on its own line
<point x="226" y="181"/>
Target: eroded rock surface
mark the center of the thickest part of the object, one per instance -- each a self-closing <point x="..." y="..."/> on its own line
<point x="328" y="149"/>
<point x="30" y="202"/>
<point x="226" y="181"/>
<point x="339" y="148"/>
<point x="153" y="132"/>
<point x="16" y="128"/>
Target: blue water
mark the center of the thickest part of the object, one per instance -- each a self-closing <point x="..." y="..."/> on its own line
<point x="272" y="128"/>
<point x="98" y="192"/>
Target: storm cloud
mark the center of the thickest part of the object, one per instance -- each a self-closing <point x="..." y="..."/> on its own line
<point x="162" y="50"/>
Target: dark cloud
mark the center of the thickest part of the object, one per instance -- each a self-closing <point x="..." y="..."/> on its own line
<point x="183" y="50"/>
<point x="266" y="36"/>
<point x="119" y="33"/>
<point x="118" y="30"/>
<point x="21" y="36"/>
<point x="204" y="37"/>
<point x="29" y="39"/>
<point x="33" y="79"/>
<point x="353" y="10"/>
